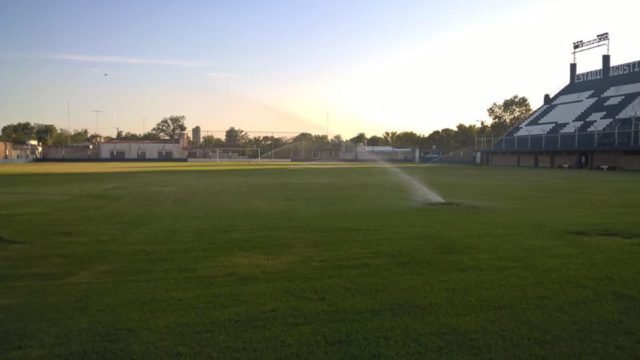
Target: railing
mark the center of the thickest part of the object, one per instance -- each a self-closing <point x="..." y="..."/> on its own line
<point x="591" y="140"/>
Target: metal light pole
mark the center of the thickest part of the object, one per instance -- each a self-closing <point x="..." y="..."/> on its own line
<point x="98" y="120"/>
<point x="68" y="126"/>
<point x="633" y="123"/>
<point x="475" y="137"/>
<point x="618" y="123"/>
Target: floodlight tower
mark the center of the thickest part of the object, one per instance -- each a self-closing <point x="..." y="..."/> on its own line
<point x="580" y="46"/>
<point x="600" y="40"/>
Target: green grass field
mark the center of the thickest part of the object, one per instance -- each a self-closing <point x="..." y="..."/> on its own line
<point x="183" y="260"/>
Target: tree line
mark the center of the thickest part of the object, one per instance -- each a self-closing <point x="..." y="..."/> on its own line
<point x="502" y="117"/>
<point x="171" y="127"/>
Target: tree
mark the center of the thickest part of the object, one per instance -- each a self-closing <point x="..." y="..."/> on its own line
<point x="171" y="127"/>
<point x="406" y="139"/>
<point x="151" y="136"/>
<point x="95" y="138"/>
<point x="66" y="137"/>
<point x="483" y="129"/>
<point x="210" y="140"/>
<point x="75" y="137"/>
<point x="235" y="136"/>
<point x="465" y="135"/>
<point x="18" y="133"/>
<point x="305" y="136"/>
<point x="320" y="139"/>
<point x="45" y="133"/>
<point x="336" y="144"/>
<point x="376" y="140"/>
<point x="390" y="137"/>
<point x="361" y="138"/>
<point x="131" y="136"/>
<point x="447" y="139"/>
<point x="511" y="112"/>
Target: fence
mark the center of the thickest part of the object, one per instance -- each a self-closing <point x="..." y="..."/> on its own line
<point x="591" y="140"/>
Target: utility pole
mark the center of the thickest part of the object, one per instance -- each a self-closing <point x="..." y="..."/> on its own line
<point x="327" y="124"/>
<point x="98" y="120"/>
<point x="68" y="123"/>
<point x="68" y="116"/>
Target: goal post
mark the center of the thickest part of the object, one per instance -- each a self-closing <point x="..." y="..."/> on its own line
<point x="235" y="154"/>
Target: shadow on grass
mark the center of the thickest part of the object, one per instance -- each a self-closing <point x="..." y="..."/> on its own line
<point x="452" y="204"/>
<point x="62" y="168"/>
<point x="5" y="241"/>
<point x="607" y="233"/>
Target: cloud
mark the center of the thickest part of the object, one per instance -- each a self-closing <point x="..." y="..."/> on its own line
<point x="110" y="59"/>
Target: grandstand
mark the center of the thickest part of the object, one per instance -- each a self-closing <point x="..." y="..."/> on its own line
<point x="592" y="122"/>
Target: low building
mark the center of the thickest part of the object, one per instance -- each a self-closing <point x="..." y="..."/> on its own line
<point x="30" y="151"/>
<point x="77" y="152"/>
<point x="6" y="148"/>
<point x="389" y="153"/>
<point x="143" y="150"/>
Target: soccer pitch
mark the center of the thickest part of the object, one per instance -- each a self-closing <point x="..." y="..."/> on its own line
<point x="172" y="260"/>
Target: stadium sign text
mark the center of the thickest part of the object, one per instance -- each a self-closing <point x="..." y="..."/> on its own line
<point x="614" y="71"/>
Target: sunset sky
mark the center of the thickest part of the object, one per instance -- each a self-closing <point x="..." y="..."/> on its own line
<point x="283" y="65"/>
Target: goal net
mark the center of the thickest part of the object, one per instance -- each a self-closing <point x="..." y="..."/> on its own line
<point x="238" y="154"/>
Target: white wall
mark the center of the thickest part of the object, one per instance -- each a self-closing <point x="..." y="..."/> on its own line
<point x="151" y="150"/>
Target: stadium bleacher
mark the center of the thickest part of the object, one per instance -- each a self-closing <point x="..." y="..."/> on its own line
<point x="597" y="113"/>
<point x="589" y="105"/>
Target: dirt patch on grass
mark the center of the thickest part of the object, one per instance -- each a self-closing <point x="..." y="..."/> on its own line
<point x="626" y="235"/>
<point x="253" y="262"/>
<point x="90" y="274"/>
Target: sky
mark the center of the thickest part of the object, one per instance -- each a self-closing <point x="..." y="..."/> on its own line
<point x="319" y="66"/>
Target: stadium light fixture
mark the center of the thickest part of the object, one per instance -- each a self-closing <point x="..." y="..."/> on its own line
<point x="600" y="40"/>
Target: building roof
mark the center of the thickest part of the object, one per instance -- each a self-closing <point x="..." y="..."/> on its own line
<point x="384" y="149"/>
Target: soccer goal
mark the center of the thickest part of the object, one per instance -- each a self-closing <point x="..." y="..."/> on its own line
<point x="238" y="154"/>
